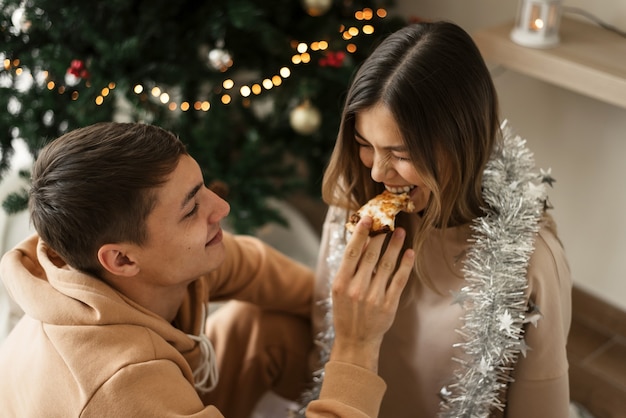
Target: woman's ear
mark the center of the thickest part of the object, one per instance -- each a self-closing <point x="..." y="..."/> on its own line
<point x="116" y="259"/>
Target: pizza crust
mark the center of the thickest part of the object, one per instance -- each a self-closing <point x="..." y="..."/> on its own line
<point x="383" y="209"/>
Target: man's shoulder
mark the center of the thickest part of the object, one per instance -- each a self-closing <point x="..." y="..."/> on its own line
<point x="63" y="367"/>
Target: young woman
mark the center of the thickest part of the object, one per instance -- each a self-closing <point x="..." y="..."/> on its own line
<point x="482" y="327"/>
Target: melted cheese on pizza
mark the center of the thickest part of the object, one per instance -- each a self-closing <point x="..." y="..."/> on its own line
<point x="383" y="209"/>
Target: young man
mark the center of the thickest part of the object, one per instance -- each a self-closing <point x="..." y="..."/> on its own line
<point x="115" y="285"/>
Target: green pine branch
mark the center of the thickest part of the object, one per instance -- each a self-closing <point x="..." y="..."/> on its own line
<point x="125" y="43"/>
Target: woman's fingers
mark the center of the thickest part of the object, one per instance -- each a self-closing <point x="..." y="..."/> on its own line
<point x="361" y="255"/>
<point x="355" y="246"/>
<point x="363" y="269"/>
<point x="389" y="262"/>
<point x="400" y="279"/>
<point x="366" y="294"/>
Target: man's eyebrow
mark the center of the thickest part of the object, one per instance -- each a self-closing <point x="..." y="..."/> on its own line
<point x="191" y="194"/>
<point x="396" y="148"/>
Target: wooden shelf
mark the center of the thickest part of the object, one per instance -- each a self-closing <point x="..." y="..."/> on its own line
<point x="589" y="60"/>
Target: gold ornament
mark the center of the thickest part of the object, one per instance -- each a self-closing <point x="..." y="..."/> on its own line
<point x="316" y="7"/>
<point x="305" y="118"/>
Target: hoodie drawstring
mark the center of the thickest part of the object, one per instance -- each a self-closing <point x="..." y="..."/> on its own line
<point x="206" y="375"/>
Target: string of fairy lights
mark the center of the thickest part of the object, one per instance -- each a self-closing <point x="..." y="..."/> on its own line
<point x="229" y="88"/>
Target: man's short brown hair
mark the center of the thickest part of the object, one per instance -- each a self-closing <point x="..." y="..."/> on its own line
<point x="95" y="185"/>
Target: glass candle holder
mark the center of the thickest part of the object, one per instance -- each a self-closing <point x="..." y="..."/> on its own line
<point x="537" y="23"/>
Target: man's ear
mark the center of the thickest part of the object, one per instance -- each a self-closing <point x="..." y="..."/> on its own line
<point x="115" y="259"/>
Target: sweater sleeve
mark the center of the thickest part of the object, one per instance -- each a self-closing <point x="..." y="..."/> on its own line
<point x="348" y="391"/>
<point x="257" y="273"/>
<point x="541" y="386"/>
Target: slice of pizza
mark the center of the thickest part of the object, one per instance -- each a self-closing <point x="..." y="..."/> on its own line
<point x="383" y="209"/>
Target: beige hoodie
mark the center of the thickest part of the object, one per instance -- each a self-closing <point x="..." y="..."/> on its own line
<point x="83" y="349"/>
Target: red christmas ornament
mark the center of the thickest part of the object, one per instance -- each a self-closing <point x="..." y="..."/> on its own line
<point x="333" y="59"/>
<point x="78" y="69"/>
<point x="76" y="72"/>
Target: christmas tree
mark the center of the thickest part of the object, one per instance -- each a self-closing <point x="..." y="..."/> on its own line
<point x="253" y="87"/>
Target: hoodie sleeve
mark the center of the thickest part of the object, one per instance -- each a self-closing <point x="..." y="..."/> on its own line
<point x="257" y="273"/>
<point x="136" y="391"/>
<point x="348" y="391"/>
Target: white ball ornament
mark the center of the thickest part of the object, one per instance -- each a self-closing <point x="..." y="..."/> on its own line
<point x="18" y="18"/>
<point x="71" y="79"/>
<point x="219" y="59"/>
<point x="305" y="119"/>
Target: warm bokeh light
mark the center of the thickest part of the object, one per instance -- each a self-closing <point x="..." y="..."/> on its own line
<point x="245" y="91"/>
<point x="303" y="56"/>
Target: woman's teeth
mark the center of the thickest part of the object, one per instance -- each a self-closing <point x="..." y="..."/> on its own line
<point x="398" y="190"/>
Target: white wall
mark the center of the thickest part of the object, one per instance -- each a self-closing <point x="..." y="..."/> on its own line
<point x="583" y="140"/>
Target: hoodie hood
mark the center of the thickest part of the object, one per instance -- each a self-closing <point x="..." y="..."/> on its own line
<point x="50" y="291"/>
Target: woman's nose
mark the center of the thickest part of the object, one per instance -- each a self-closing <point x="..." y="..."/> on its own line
<point x="380" y="169"/>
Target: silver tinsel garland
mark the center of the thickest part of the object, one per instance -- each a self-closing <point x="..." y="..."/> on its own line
<point x="325" y="338"/>
<point x="493" y="298"/>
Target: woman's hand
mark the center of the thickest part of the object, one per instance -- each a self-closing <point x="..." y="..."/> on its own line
<point x="366" y="293"/>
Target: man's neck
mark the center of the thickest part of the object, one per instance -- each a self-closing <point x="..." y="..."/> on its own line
<point x="163" y="301"/>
